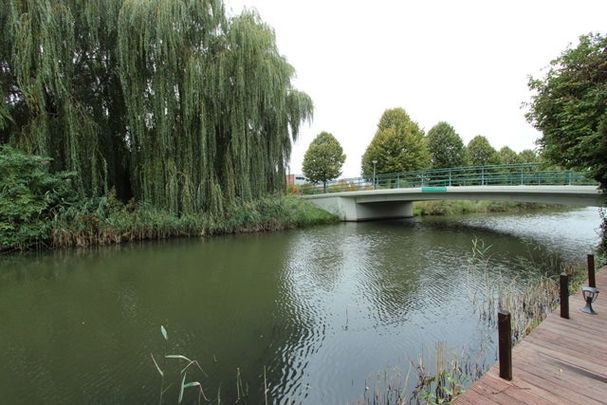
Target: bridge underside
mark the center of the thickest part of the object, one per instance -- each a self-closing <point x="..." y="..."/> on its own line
<point x="347" y="209"/>
<point x="398" y="203"/>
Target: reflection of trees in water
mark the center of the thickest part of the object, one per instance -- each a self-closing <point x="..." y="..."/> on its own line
<point x="311" y="277"/>
<point x="413" y="265"/>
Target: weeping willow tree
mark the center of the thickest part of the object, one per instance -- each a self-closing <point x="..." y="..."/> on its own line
<point x="167" y="101"/>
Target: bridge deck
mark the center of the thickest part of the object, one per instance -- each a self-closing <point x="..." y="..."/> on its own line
<point x="563" y="361"/>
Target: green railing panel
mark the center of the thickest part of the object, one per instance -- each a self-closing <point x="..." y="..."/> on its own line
<point x="492" y="175"/>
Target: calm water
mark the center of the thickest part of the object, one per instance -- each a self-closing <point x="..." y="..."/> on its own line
<point x="327" y="310"/>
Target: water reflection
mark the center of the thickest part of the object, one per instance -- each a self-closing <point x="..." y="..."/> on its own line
<point x="324" y="310"/>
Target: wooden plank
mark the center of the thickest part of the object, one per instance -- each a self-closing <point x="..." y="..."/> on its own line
<point x="564" y="378"/>
<point x="519" y="393"/>
<point x="552" y="391"/>
<point x="562" y="361"/>
<point x="472" y="397"/>
<point x="583" y="358"/>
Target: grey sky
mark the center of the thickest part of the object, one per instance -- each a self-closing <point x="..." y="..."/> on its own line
<point x="464" y="62"/>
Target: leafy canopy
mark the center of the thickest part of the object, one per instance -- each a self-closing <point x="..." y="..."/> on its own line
<point x="481" y="153"/>
<point x="398" y="145"/>
<point x="528" y="156"/>
<point x="167" y="101"/>
<point x="569" y="107"/>
<point x="29" y="197"/>
<point x="507" y="156"/>
<point x="446" y="147"/>
<point x="323" y="159"/>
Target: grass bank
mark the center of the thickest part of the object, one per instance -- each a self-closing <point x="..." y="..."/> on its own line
<point x="106" y="220"/>
<point x="457" y="207"/>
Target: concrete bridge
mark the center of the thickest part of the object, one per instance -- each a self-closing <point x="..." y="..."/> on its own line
<point x="398" y="202"/>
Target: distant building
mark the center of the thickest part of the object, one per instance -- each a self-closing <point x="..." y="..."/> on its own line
<point x="296" y="179"/>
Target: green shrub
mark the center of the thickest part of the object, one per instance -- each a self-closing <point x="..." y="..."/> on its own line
<point x="106" y="220"/>
<point x="29" y="197"/>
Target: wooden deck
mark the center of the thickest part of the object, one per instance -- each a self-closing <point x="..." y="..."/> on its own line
<point x="563" y="361"/>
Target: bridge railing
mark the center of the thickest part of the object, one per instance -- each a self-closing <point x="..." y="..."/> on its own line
<point x="493" y="175"/>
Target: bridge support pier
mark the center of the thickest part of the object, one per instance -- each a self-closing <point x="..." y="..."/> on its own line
<point x="347" y="209"/>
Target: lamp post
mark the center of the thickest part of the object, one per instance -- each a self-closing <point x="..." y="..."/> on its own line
<point x="590" y="294"/>
<point x="374" y="182"/>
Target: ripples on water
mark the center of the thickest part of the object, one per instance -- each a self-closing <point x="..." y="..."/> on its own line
<point x="327" y="310"/>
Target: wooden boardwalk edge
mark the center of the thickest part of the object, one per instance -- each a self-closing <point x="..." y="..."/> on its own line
<point x="562" y="361"/>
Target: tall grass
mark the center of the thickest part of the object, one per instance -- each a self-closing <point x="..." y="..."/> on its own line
<point x="107" y="221"/>
<point x="436" y="383"/>
<point x="458" y="207"/>
<point x="529" y="298"/>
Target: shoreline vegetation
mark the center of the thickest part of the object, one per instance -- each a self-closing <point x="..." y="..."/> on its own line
<point x="460" y="207"/>
<point x="40" y="209"/>
<point x="114" y="222"/>
<point x="106" y="220"/>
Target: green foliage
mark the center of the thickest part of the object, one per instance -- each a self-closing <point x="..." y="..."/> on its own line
<point x="570" y="108"/>
<point x="459" y="207"/>
<point x="446" y="147"/>
<point x="481" y="153"/>
<point x="42" y="209"/>
<point x="29" y="197"/>
<point x="323" y="159"/>
<point x="399" y="145"/>
<point x="528" y="156"/>
<point x="507" y="156"/>
<point x="166" y="101"/>
<point x="106" y="220"/>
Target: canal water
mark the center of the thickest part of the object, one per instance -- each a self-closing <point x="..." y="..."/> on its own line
<point x="317" y="316"/>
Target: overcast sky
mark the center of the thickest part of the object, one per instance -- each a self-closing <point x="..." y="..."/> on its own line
<point x="464" y="62"/>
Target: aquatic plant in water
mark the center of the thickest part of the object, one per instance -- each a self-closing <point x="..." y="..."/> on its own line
<point x="183" y="385"/>
<point x="440" y="385"/>
<point x="529" y="297"/>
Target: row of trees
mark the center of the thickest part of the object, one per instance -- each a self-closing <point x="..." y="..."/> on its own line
<point x="399" y="145"/>
<point x="168" y="102"/>
<point x="569" y="107"/>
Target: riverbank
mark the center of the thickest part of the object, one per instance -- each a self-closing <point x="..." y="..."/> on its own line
<point x="448" y="207"/>
<point x="41" y="209"/>
<point x="107" y="220"/>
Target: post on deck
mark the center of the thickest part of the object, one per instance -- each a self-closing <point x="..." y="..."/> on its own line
<point x="505" y="344"/>
<point x="564" y="294"/>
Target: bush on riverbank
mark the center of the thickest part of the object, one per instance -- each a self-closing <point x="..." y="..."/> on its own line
<point x="29" y="197"/>
<point x="106" y="221"/>
<point x="449" y="207"/>
<point x="39" y="209"/>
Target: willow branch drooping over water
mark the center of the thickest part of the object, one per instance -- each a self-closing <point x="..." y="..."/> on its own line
<point x="167" y="101"/>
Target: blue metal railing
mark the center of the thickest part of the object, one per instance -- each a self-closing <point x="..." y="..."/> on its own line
<point x="492" y="175"/>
